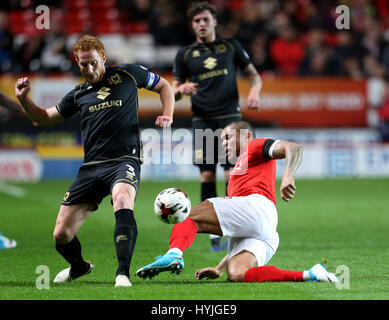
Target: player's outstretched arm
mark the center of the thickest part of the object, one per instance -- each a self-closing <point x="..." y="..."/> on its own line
<point x="212" y="272"/>
<point x="293" y="154"/>
<point x="10" y="104"/>
<point x="165" y="91"/>
<point x="42" y="116"/>
<point x="256" y="86"/>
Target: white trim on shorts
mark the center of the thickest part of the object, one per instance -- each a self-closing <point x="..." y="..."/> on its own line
<point x="249" y="223"/>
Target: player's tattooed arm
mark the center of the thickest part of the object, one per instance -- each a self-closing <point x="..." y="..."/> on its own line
<point x="256" y="86"/>
<point x="212" y="272"/>
<point x="293" y="154"/>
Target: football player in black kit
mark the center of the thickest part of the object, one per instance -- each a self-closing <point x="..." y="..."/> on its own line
<point x="210" y="64"/>
<point x="108" y="104"/>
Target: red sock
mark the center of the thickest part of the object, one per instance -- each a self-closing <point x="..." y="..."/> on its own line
<point x="183" y="234"/>
<point x="271" y="274"/>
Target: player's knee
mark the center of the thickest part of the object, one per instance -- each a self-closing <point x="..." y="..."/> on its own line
<point x="235" y="275"/>
<point x="123" y="197"/>
<point x="122" y="200"/>
<point x="61" y="235"/>
<point x="208" y="176"/>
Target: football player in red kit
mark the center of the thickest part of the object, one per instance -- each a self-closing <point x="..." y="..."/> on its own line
<point x="247" y="217"/>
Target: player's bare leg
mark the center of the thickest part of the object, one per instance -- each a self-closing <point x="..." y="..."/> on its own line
<point x="243" y="267"/>
<point x="205" y="217"/>
<point x="69" y="221"/>
<point x="238" y="265"/>
<point x="126" y="232"/>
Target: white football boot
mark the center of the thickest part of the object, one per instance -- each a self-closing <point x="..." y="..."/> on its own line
<point x="122" y="281"/>
<point x="64" y="275"/>
<point x="319" y="273"/>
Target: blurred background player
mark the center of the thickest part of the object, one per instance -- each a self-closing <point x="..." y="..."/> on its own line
<point x="210" y="65"/>
<point x="108" y="103"/>
<point x="248" y="217"/>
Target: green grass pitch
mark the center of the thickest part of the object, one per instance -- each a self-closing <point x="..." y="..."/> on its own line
<point x="344" y="221"/>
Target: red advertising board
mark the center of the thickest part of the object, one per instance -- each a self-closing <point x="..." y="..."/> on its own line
<point x="309" y="103"/>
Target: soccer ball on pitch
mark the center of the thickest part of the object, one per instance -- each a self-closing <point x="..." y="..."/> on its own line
<point x="172" y="206"/>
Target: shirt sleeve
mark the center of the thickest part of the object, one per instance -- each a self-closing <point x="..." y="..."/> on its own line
<point x="241" y="57"/>
<point x="68" y="107"/>
<point x="180" y="71"/>
<point x="262" y="149"/>
<point x="142" y="76"/>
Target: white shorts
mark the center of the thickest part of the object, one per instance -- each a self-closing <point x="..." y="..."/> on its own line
<point x="249" y="223"/>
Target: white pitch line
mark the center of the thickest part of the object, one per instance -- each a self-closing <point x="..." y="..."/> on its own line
<point x="12" y="190"/>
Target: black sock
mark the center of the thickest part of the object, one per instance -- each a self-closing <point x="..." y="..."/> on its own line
<point x="125" y="235"/>
<point x="208" y="190"/>
<point x="72" y="253"/>
<point x="226" y="188"/>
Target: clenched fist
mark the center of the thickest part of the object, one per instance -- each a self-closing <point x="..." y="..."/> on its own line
<point x="22" y="88"/>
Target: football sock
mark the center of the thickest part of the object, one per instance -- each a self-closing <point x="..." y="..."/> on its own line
<point x="208" y="190"/>
<point x="183" y="234"/>
<point x="71" y="252"/>
<point x="175" y="250"/>
<point x="272" y="274"/>
<point x="125" y="235"/>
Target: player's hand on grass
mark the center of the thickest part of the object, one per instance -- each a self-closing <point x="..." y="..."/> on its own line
<point x="287" y="188"/>
<point x="188" y="88"/>
<point x="22" y="88"/>
<point x="163" y="121"/>
<point x="208" y="273"/>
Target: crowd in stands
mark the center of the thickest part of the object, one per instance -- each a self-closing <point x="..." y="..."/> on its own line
<point x="283" y="37"/>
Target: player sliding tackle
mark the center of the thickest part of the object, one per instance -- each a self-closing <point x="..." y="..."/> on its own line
<point x="248" y="217"/>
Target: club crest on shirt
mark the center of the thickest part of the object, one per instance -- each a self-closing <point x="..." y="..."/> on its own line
<point x="116" y="79"/>
<point x="196" y="53"/>
<point x="221" y="48"/>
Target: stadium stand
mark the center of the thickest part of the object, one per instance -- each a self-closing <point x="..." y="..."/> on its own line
<point x="262" y="27"/>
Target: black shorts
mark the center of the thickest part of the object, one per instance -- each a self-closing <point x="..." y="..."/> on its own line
<point x="207" y="148"/>
<point x="95" y="181"/>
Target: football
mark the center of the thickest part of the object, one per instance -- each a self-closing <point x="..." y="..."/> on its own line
<point x="172" y="206"/>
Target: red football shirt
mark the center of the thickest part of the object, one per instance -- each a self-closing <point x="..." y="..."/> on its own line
<point x="254" y="171"/>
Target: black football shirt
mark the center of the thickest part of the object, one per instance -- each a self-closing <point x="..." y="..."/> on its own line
<point x="109" y="112"/>
<point x="214" y="67"/>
